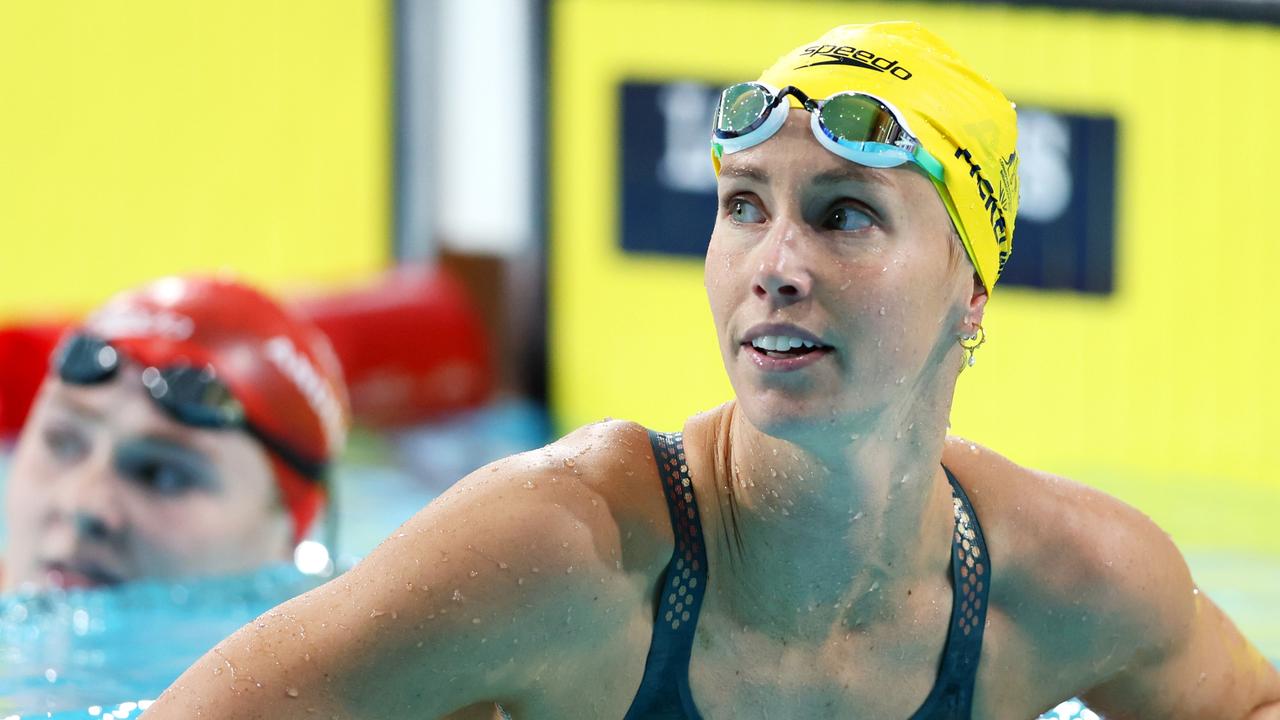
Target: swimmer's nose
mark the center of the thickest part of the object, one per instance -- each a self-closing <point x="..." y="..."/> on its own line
<point x="781" y="276"/>
<point x="88" y="501"/>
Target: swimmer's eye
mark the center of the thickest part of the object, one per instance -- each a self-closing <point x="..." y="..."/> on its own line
<point x="66" y="444"/>
<point x="744" y="211"/>
<point x="162" y="473"/>
<point x="162" y="478"/>
<point x="847" y="219"/>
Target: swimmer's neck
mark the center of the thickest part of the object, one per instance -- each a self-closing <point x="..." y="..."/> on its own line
<point x="824" y="534"/>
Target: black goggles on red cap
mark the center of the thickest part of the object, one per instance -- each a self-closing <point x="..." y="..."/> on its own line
<point x="190" y="394"/>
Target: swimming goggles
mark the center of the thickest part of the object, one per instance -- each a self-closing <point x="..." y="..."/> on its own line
<point x="856" y="126"/>
<point x="190" y="394"/>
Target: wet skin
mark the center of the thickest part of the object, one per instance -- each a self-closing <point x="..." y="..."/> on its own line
<point x="531" y="582"/>
<point x="105" y="487"/>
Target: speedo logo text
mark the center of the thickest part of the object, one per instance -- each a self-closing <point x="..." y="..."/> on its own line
<point x="849" y="55"/>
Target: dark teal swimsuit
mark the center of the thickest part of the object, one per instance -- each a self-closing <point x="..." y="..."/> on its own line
<point x="664" y="691"/>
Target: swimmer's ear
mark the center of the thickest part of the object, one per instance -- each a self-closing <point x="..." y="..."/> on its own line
<point x="977" y="303"/>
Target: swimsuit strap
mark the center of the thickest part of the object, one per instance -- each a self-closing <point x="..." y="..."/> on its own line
<point x="952" y="694"/>
<point x="664" y="691"/>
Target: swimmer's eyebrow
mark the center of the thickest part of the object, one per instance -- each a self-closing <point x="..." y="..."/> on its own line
<point x="76" y="407"/>
<point x="172" y="448"/>
<point x="747" y="172"/>
<point x="849" y="173"/>
<point x="853" y="173"/>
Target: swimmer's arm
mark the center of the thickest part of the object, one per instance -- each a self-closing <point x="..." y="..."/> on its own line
<point x="444" y="618"/>
<point x="1188" y="659"/>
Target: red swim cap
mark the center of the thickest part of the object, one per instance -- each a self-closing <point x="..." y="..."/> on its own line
<point x="279" y="366"/>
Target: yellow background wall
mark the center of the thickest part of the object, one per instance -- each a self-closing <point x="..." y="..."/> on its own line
<point x="149" y="137"/>
<point x="1164" y="392"/>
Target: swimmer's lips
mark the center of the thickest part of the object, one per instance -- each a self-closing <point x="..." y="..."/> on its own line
<point x="69" y="575"/>
<point x="793" y="358"/>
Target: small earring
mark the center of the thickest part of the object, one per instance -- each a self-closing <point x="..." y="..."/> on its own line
<point x="972" y="342"/>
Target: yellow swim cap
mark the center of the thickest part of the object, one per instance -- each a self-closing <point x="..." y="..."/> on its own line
<point x="955" y="113"/>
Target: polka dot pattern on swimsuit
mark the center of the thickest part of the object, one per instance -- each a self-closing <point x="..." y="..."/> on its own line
<point x="683" y="590"/>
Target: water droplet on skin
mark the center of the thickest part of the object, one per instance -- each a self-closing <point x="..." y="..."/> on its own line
<point x="874" y="586"/>
<point x="519" y="581"/>
<point x="528" y="485"/>
<point x="534" y="570"/>
<point x="457" y="595"/>
<point x="408" y="586"/>
<point x="503" y="566"/>
<point x="858" y="516"/>
<point x="901" y="380"/>
<point x="568" y="570"/>
<point x="882" y="311"/>
<point x="773" y="473"/>
<point x="473" y="573"/>
<point x="376" y="613"/>
<point x="217" y="671"/>
<point x="291" y="692"/>
<point x="475" y="621"/>
<point x="568" y="462"/>
<point x="564" y="544"/>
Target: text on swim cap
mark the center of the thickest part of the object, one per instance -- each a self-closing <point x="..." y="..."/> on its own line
<point x="319" y="395"/>
<point x="995" y="205"/>
<point x="849" y="55"/>
<point x="139" y="322"/>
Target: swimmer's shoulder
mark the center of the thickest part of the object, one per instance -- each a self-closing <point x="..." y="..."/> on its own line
<point x="516" y="585"/>
<point x="1075" y="568"/>
<point x="597" y="484"/>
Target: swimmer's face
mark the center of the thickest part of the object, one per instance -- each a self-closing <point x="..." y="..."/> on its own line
<point x="104" y="487"/>
<point x="859" y="262"/>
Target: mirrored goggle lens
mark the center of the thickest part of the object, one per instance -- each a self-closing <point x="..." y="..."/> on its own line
<point x="85" y="360"/>
<point x="741" y="107"/>
<point x="194" y="396"/>
<point x="858" y="118"/>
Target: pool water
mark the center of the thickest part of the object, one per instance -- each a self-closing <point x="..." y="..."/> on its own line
<point x="62" y="652"/>
<point x="105" y="654"/>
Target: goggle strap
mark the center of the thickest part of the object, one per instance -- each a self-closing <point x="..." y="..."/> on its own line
<point x="956" y="223"/>
<point x="308" y="469"/>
